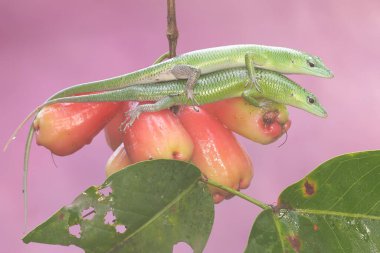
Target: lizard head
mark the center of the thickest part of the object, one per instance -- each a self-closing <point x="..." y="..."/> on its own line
<point x="312" y="65"/>
<point x="291" y="61"/>
<point x="307" y="101"/>
<point x="280" y="89"/>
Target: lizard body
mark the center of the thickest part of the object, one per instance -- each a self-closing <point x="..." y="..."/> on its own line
<point x="191" y="65"/>
<point x="210" y="88"/>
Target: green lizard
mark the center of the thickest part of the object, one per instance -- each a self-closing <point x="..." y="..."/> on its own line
<point x="191" y="65"/>
<point x="210" y="88"/>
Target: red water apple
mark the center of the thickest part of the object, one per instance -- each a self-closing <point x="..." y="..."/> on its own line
<point x="216" y="152"/>
<point x="117" y="161"/>
<point x="67" y="127"/>
<point x="114" y="136"/>
<point x="260" y="125"/>
<point x="157" y="135"/>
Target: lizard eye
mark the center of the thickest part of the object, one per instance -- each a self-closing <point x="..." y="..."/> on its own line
<point x="311" y="64"/>
<point x="310" y="100"/>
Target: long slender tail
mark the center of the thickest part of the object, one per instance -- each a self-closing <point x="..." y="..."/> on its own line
<point x="15" y="132"/>
<point x="28" y="146"/>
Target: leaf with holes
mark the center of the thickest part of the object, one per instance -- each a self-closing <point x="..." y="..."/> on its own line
<point x="147" y="207"/>
<point x="336" y="208"/>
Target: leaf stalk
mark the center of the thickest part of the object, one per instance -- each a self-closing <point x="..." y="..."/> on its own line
<point x="237" y="193"/>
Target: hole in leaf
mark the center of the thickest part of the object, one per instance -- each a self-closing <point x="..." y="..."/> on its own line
<point x="121" y="229"/>
<point x="89" y="213"/>
<point x="109" y="218"/>
<point x="74" y="230"/>
<point x="105" y="191"/>
<point x="182" y="247"/>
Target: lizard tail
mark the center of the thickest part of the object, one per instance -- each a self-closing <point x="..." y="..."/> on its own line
<point x="28" y="145"/>
<point x="15" y="132"/>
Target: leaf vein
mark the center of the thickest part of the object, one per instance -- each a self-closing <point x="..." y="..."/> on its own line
<point x="278" y="228"/>
<point x="336" y="213"/>
<point x="352" y="185"/>
<point x="333" y="231"/>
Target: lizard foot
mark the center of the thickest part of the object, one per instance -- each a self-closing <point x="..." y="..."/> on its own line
<point x="253" y="83"/>
<point x="191" y="98"/>
<point x="130" y="118"/>
<point x="266" y="104"/>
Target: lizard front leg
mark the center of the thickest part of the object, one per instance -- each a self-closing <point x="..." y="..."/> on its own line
<point x="250" y="97"/>
<point x="252" y="60"/>
<point x="134" y="114"/>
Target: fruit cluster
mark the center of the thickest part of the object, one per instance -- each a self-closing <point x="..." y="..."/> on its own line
<point x="201" y="135"/>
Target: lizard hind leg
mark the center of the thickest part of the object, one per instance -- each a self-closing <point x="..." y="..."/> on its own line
<point x="134" y="114"/>
<point x="191" y="74"/>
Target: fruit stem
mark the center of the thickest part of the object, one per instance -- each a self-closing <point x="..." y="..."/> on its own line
<point x="172" y="30"/>
<point x="237" y="193"/>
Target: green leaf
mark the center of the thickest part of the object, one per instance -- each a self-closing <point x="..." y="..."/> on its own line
<point x="159" y="203"/>
<point x="336" y="208"/>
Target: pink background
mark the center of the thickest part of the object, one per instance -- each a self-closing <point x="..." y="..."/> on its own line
<point x="46" y="46"/>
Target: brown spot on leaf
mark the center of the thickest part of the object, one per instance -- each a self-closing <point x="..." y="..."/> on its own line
<point x="294" y="242"/>
<point x="61" y="216"/>
<point x="173" y="209"/>
<point x="315" y="227"/>
<point x="309" y="188"/>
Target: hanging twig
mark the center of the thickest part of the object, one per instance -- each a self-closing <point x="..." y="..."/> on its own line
<point x="172" y="30"/>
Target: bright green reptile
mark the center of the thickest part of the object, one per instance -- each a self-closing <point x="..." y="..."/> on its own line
<point x="210" y="88"/>
<point x="193" y="64"/>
